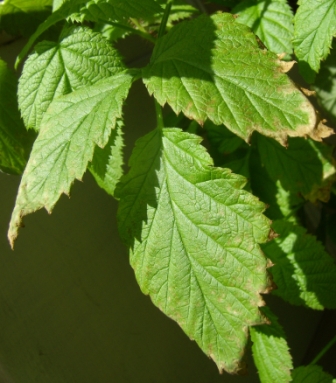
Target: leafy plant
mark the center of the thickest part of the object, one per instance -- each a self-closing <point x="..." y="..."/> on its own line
<point x="202" y="243"/>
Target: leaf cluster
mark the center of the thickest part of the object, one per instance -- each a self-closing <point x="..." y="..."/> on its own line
<point x="215" y="203"/>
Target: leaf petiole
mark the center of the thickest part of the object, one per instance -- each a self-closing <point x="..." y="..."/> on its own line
<point x="324" y="350"/>
<point x="165" y="17"/>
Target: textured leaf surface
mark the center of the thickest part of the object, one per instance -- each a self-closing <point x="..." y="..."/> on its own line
<point x="281" y="202"/>
<point x="96" y="10"/>
<point x="194" y="239"/>
<point x="303" y="271"/>
<point x="311" y="374"/>
<point x="270" y="351"/>
<point x="106" y="166"/>
<point x="325" y="85"/>
<point x="213" y="68"/>
<point x="271" y="21"/>
<point x="59" y="15"/>
<point x="302" y="167"/>
<point x="14" y="140"/>
<point x="314" y="27"/>
<point x="23" y="16"/>
<point x="70" y="129"/>
<point x="82" y="57"/>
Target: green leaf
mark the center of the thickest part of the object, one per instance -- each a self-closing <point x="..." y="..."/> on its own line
<point x="270" y="20"/>
<point x="303" y="271"/>
<point x="221" y="138"/>
<point x="311" y="374"/>
<point x="82" y="57"/>
<point x="325" y="85"/>
<point x="115" y="10"/>
<point x="15" y="142"/>
<point x="70" y="129"/>
<point x="212" y="67"/>
<point x="270" y="351"/>
<point x="314" y="28"/>
<point x="194" y="238"/>
<point x="281" y="203"/>
<point x="106" y="166"/>
<point x="110" y="32"/>
<point x="58" y="15"/>
<point x="22" y="17"/>
<point x="302" y="167"/>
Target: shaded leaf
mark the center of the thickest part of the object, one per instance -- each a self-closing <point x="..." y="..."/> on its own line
<point x="106" y="166"/>
<point x="270" y="20"/>
<point x="302" y="167"/>
<point x="281" y="203"/>
<point x="311" y="374"/>
<point x="115" y="10"/>
<point x="70" y="129"/>
<point x="15" y="142"/>
<point x="303" y="271"/>
<point x="212" y="67"/>
<point x="325" y="86"/>
<point x="221" y="138"/>
<point x="82" y="57"/>
<point x="314" y="27"/>
<point x="270" y="351"/>
<point x="194" y="238"/>
<point x="22" y="17"/>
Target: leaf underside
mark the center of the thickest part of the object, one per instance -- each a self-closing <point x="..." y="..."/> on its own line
<point x="82" y="57"/>
<point x="70" y="129"/>
<point x="314" y="28"/>
<point x="194" y="237"/>
<point x="212" y="67"/>
<point x="303" y="272"/>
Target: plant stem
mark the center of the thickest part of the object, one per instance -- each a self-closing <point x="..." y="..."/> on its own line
<point x="165" y="17"/>
<point x="145" y="35"/>
<point x="138" y="25"/>
<point x="159" y="115"/>
<point x="324" y="350"/>
<point x="162" y="30"/>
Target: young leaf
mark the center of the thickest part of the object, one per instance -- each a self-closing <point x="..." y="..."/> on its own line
<point x="303" y="271"/>
<point x="314" y="28"/>
<point x="194" y="238"/>
<point x="106" y="166"/>
<point x="82" y="57"/>
<point x="22" y="17"/>
<point x="270" y="351"/>
<point x="301" y="167"/>
<point x="212" y="67"/>
<point x="271" y="21"/>
<point x="311" y="374"/>
<point x="14" y="140"/>
<point x="70" y="129"/>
